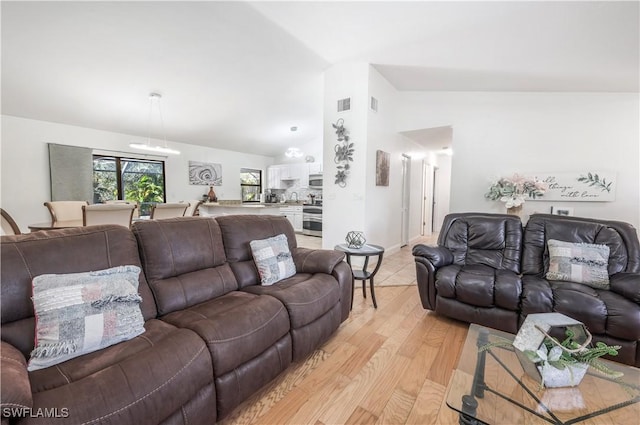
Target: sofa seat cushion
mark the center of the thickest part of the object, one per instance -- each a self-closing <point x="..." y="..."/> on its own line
<point x="480" y="285"/>
<point x="602" y="311"/>
<point x="132" y="382"/>
<point x="236" y="327"/>
<point x="306" y="296"/>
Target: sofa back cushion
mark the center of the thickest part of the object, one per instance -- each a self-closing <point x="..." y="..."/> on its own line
<point x="184" y="261"/>
<point x="621" y="238"/>
<point x="239" y="230"/>
<point x="63" y="251"/>
<point x="478" y="238"/>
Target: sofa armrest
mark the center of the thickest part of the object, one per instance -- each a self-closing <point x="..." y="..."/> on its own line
<point x="437" y="255"/>
<point x="316" y="260"/>
<point x="627" y="285"/>
<point x="15" y="387"/>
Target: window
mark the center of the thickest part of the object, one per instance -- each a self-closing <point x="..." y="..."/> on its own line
<point x="135" y="180"/>
<point x="250" y="184"/>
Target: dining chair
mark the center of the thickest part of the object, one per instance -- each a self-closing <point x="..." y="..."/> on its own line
<point x="9" y="226"/>
<point x="192" y="210"/>
<point x="65" y="210"/>
<point x="136" y="212"/>
<point x="95" y="214"/>
<point x="168" y="210"/>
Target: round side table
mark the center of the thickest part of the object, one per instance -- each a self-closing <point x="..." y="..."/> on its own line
<point x="367" y="251"/>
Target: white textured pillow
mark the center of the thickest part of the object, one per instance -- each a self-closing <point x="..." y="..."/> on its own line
<point x="579" y="262"/>
<point x="273" y="259"/>
<point x="79" y="313"/>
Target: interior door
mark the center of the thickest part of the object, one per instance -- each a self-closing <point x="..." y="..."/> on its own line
<point x="406" y="196"/>
<point x="427" y="199"/>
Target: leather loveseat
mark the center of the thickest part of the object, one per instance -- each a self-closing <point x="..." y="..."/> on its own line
<point x="488" y="269"/>
<point x="213" y="335"/>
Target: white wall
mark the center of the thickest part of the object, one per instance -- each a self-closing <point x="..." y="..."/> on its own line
<point x="497" y="134"/>
<point x="384" y="203"/>
<point x="344" y="207"/>
<point x="25" y="183"/>
<point x="362" y="205"/>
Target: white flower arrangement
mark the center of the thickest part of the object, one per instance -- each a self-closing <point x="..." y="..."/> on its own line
<point x="515" y="190"/>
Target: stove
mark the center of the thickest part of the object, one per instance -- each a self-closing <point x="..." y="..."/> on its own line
<point x="312" y="219"/>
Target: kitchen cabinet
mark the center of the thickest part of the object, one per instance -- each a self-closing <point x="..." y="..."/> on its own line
<point x="284" y="176"/>
<point x="294" y="215"/>
<point x="274" y="177"/>
<point x="315" y="168"/>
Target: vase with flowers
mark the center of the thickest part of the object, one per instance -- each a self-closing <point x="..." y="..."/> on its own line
<point x="513" y="191"/>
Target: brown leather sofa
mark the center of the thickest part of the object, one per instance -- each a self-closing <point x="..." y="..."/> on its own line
<point x="488" y="270"/>
<point x="213" y="335"/>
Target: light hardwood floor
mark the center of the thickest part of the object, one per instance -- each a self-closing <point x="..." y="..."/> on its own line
<point x="389" y="365"/>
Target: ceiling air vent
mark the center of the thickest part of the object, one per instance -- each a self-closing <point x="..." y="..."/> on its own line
<point x="374" y="104"/>
<point x="344" y="104"/>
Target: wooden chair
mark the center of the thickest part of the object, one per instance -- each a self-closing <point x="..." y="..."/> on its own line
<point x="168" y="210"/>
<point x="121" y="214"/>
<point x="9" y="226"/>
<point x="65" y="210"/>
<point x="192" y="210"/>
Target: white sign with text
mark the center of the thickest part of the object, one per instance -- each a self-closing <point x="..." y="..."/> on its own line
<point x="587" y="186"/>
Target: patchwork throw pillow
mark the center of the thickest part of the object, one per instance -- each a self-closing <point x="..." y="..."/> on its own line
<point x="83" y="312"/>
<point x="273" y="259"/>
<point x="579" y="262"/>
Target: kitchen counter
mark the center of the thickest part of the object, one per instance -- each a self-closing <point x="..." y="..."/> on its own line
<point x="213" y="209"/>
<point x="219" y="205"/>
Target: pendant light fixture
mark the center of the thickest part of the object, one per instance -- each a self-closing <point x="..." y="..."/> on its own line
<point x="293" y="152"/>
<point x="155" y="98"/>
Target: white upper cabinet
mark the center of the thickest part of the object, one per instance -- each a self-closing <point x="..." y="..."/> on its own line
<point x="283" y="176"/>
<point x="315" y="168"/>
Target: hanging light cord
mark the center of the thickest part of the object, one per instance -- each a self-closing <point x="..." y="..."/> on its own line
<point x="158" y="97"/>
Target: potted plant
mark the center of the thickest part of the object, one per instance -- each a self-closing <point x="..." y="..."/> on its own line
<point x="557" y="363"/>
<point x="564" y="364"/>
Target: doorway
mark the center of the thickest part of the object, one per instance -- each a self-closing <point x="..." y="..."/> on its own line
<point x="406" y="197"/>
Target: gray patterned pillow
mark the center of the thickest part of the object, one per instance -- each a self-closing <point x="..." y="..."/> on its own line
<point x="79" y="313"/>
<point x="579" y="262"/>
<point x="273" y="259"/>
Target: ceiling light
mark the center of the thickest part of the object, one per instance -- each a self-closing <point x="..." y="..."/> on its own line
<point x="148" y="146"/>
<point x="154" y="148"/>
<point x="294" y="128"/>
<point x="293" y="153"/>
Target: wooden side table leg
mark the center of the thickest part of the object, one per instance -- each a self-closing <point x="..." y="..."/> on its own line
<point x="353" y="280"/>
<point x="364" y="272"/>
<point x="373" y="293"/>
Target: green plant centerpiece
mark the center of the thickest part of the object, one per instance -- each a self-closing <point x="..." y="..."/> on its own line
<point x="556" y="363"/>
<point x="564" y="363"/>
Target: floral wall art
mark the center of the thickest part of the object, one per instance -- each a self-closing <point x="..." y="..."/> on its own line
<point x="586" y="186"/>
<point x="204" y="173"/>
<point x="344" y="153"/>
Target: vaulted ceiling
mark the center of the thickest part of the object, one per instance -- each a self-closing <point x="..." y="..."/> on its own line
<point x="238" y="75"/>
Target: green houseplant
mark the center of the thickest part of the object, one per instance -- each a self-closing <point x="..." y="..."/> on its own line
<point x="561" y="362"/>
<point x="564" y="363"/>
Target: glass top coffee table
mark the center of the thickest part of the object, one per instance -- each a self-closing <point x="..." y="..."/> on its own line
<point x="491" y="387"/>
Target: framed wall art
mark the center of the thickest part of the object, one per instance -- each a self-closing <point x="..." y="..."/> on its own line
<point x="382" y="168"/>
<point x="205" y="173"/>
